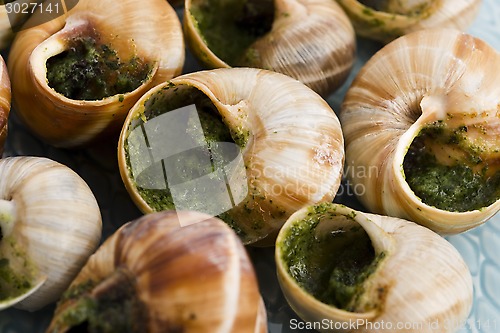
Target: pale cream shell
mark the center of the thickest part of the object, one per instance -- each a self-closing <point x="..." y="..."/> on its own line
<point x="421" y="285"/>
<point x="388" y="25"/>
<point x="5" y="30"/>
<point x="295" y="150"/>
<point x="195" y="277"/>
<point x="8" y="19"/>
<point x="312" y="41"/>
<point x="57" y="222"/>
<point x="150" y="31"/>
<point x="420" y="78"/>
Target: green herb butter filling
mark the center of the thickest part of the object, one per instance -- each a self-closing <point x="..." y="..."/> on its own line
<point x="230" y="27"/>
<point x="455" y="178"/>
<point x="402" y="8"/>
<point x="114" y="308"/>
<point x="192" y="164"/>
<point x="16" y="271"/>
<point x="330" y="263"/>
<point x="11" y="284"/>
<point x="91" y="70"/>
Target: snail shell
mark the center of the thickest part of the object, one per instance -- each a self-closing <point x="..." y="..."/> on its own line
<point x="312" y="41"/>
<point x="148" y="38"/>
<point x="437" y="78"/>
<point x="389" y="19"/>
<point x="156" y="274"/>
<point x="418" y="282"/>
<point x="8" y="20"/>
<point x="288" y="139"/>
<point x="14" y="13"/>
<point x="4" y="102"/>
<point x="50" y="224"/>
<point x="5" y="30"/>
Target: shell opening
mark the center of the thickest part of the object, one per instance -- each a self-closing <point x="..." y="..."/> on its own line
<point x="17" y="272"/>
<point x="454" y="167"/>
<point x="110" y="305"/>
<point x="331" y="256"/>
<point x="91" y="69"/>
<point x="228" y="28"/>
<point x="181" y="155"/>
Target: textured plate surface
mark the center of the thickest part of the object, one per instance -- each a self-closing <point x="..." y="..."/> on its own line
<point x="98" y="166"/>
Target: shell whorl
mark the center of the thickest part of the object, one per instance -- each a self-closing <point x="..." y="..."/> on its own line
<point x="56" y="215"/>
<point x="397" y="18"/>
<point x="428" y="76"/>
<point x="312" y="41"/>
<point x="421" y="278"/>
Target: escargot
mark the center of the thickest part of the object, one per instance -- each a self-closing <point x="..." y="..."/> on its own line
<point x="248" y="145"/>
<point x="312" y="41"/>
<point x="422" y="133"/>
<point x="5" y="29"/>
<point x="385" y="20"/>
<point x="5" y="95"/>
<point x="9" y="19"/>
<point x="77" y="76"/>
<point x="50" y="224"/>
<point x="360" y="272"/>
<point x="165" y="272"/>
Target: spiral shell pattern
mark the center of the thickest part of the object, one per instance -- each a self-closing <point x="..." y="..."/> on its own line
<point x="5" y="96"/>
<point x="151" y="33"/>
<point x="190" y="277"/>
<point x="389" y="19"/>
<point x="427" y="77"/>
